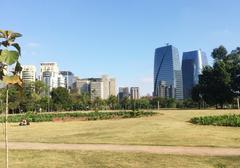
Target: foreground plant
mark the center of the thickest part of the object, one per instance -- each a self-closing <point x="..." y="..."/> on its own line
<point x="10" y="52"/>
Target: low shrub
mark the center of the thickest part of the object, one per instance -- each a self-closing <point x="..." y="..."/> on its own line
<point x="223" y="120"/>
<point x="43" y="117"/>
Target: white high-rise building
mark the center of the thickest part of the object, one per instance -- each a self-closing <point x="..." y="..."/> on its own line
<point x="82" y="86"/>
<point x="69" y="78"/>
<point x="105" y="80"/>
<point x="61" y="81"/>
<point x="49" y="74"/>
<point x="28" y="73"/>
<point x="96" y="88"/>
<point x="134" y="93"/>
<point x="112" y="87"/>
<point x="109" y="86"/>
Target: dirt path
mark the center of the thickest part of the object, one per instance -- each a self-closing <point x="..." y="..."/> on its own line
<point x="202" y="151"/>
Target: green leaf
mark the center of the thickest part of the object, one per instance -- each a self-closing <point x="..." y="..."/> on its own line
<point x="13" y="80"/>
<point x="3" y="33"/>
<point x="1" y="74"/>
<point x="9" y="57"/>
<point x="18" y="68"/>
<point x="5" y="43"/>
<point x="15" y="35"/>
<point x="7" y="34"/>
<point x="17" y="46"/>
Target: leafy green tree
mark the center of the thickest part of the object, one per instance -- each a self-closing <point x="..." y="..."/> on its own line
<point x="219" y="53"/>
<point x="112" y="102"/>
<point x="61" y="99"/>
<point x="14" y="98"/>
<point x="171" y="103"/>
<point x="97" y="103"/>
<point x="133" y="105"/>
<point x="196" y="95"/>
<point x="215" y="85"/>
<point x="40" y="87"/>
<point x="143" y="103"/>
<point x="163" y="102"/>
<point x="215" y="82"/>
<point x="44" y="104"/>
<point x="233" y="62"/>
<point x="85" y="101"/>
<point x="125" y="103"/>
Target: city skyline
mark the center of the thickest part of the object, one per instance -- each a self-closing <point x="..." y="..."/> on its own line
<point x="118" y="38"/>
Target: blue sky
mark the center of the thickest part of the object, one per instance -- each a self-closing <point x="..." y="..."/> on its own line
<point x="118" y="37"/>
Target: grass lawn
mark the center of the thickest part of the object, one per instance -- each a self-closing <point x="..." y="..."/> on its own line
<point x="53" y="159"/>
<point x="170" y="127"/>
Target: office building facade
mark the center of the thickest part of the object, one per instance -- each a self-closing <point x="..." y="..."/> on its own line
<point x="97" y="87"/>
<point x="123" y="93"/>
<point x="28" y="73"/>
<point x="82" y="86"/>
<point x="109" y="86"/>
<point x="192" y="65"/>
<point x="105" y="80"/>
<point x="61" y="81"/>
<point x="49" y="74"/>
<point x="112" y="87"/>
<point x="69" y="79"/>
<point x="134" y="93"/>
<point x="167" y="68"/>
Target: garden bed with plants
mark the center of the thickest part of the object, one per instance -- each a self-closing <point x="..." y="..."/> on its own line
<point x="223" y="120"/>
<point x="38" y="117"/>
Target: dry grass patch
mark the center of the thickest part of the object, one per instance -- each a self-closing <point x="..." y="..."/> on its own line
<point x="171" y="128"/>
<point x="74" y="159"/>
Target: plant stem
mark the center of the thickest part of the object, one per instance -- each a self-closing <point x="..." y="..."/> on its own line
<point x="6" y="130"/>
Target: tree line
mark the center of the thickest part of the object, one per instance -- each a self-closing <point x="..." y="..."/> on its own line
<point x="219" y="85"/>
<point x="34" y="97"/>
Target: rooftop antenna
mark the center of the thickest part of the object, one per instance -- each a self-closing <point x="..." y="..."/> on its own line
<point x="167" y="44"/>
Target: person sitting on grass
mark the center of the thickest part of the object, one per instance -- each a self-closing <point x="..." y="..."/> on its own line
<point x="24" y="123"/>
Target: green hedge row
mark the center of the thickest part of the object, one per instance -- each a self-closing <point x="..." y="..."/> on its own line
<point x="223" y="120"/>
<point x="38" y="117"/>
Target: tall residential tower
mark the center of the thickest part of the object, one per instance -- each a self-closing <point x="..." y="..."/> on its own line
<point x="49" y="74"/>
<point x="28" y="73"/>
<point x="68" y="78"/>
<point x="134" y="93"/>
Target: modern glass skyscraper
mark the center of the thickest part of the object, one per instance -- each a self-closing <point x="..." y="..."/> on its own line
<point x="192" y="65"/>
<point x="167" y="70"/>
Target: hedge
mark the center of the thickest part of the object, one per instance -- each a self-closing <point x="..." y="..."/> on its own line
<point x="223" y="120"/>
<point x="42" y="117"/>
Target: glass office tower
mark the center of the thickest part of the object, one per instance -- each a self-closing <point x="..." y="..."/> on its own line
<point x="192" y="65"/>
<point x="167" y="70"/>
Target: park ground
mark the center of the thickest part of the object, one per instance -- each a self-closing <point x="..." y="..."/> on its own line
<point x="167" y="128"/>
